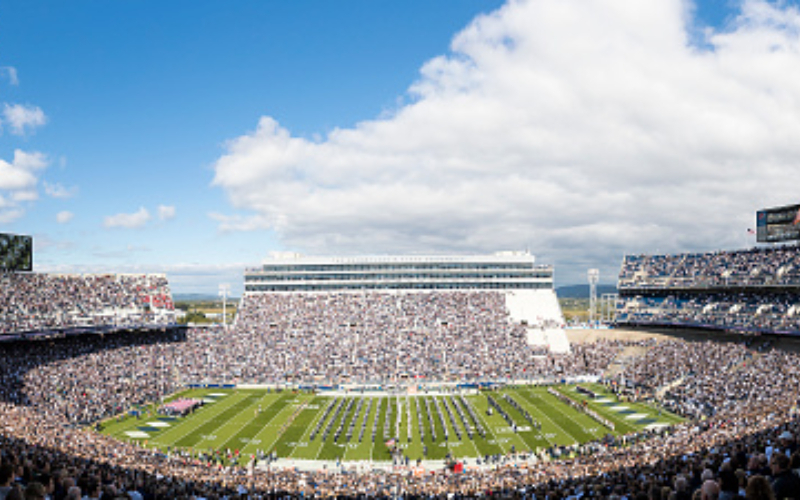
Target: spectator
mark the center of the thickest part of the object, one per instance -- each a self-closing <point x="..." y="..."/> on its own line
<point x="759" y="488"/>
<point x="6" y="479"/>
<point x="35" y="491"/>
<point x="784" y="483"/>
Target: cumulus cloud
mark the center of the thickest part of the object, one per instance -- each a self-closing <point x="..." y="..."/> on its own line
<point x="22" y="172"/>
<point x="129" y="221"/>
<point x="64" y="216"/>
<point x="18" y="181"/>
<point x="166" y="212"/>
<point x="23" y="119"/>
<point x="581" y="130"/>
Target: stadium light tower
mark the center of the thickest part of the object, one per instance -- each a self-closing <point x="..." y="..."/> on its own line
<point x="224" y="291"/>
<point x="594" y="277"/>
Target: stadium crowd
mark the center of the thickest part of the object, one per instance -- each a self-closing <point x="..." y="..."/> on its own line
<point x="751" y="394"/>
<point x="88" y="378"/>
<point x="767" y="312"/>
<point x="740" y="441"/>
<point x="34" y="302"/>
<point x="697" y="378"/>
<point x="333" y="338"/>
<point x="751" y="290"/>
<point x="756" y="267"/>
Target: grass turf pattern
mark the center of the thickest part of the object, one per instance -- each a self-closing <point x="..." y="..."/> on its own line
<point x="358" y="427"/>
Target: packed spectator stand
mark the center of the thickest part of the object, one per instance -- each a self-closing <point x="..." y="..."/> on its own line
<point x="36" y="304"/>
<point x="741" y="398"/>
<point x="748" y="291"/>
<point x="363" y="337"/>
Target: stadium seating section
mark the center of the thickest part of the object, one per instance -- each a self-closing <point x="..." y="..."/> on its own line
<point x="33" y="303"/>
<point x="365" y="336"/>
<point x="740" y="396"/>
<point x="754" y="291"/>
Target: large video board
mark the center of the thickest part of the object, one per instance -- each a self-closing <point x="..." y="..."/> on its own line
<point x="778" y="224"/>
<point x="16" y="252"/>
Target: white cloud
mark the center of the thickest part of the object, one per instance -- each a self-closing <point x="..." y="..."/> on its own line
<point x="7" y="216"/>
<point x="166" y="212"/>
<point x="27" y="195"/>
<point x="582" y="130"/>
<point x="64" y="216"/>
<point x="130" y="221"/>
<point x="18" y="181"/>
<point x="237" y="222"/>
<point x="57" y="190"/>
<point x="11" y="73"/>
<point x="22" y="172"/>
<point x="23" y="119"/>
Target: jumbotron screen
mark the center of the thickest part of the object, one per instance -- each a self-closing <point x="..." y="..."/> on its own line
<point x="778" y="224"/>
<point x="16" y="252"/>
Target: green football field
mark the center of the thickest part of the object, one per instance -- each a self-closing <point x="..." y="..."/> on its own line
<point x="302" y="425"/>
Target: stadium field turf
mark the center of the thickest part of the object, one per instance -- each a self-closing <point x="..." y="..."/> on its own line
<point x="297" y="425"/>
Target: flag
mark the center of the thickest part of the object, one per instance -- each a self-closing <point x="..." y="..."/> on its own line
<point x="390" y="443"/>
<point x="750" y="231"/>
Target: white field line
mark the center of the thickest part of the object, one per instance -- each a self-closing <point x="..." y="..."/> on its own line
<point x="264" y="429"/>
<point x="321" y="441"/>
<point x="535" y="409"/>
<point x="457" y="417"/>
<point x="490" y="429"/>
<point x="217" y="445"/>
<point x="247" y="422"/>
<point x="306" y="435"/>
<point x="553" y="421"/>
<point x="195" y="423"/>
<point x="598" y="433"/>
<point x="373" y="424"/>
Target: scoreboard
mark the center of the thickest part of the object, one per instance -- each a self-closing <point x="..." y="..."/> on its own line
<point x="778" y="224"/>
<point x="16" y="252"/>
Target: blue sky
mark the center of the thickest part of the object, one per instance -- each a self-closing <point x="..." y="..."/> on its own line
<point x="194" y="138"/>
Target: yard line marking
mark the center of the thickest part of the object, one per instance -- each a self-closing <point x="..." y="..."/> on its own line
<point x="321" y="441"/>
<point x="248" y="421"/>
<point x="539" y="410"/>
<point x="194" y="424"/>
<point x="372" y="426"/>
<point x="597" y="434"/>
<point x="455" y="414"/>
<point x="266" y="427"/>
<point x="490" y="429"/>
<point x="213" y="442"/>
<point x="313" y="424"/>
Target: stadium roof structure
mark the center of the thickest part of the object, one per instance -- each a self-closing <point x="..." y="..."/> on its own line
<point x="500" y="271"/>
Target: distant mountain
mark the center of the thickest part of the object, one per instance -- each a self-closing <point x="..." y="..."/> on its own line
<point x="582" y="291"/>
<point x="199" y="297"/>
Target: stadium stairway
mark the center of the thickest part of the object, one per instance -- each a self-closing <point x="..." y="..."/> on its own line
<point x="661" y="391"/>
<point x="558" y="341"/>
<point x="535" y="307"/>
<point x="540" y="310"/>
<point x="535" y="337"/>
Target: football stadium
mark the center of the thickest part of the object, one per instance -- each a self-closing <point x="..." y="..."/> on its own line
<point x="439" y="376"/>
